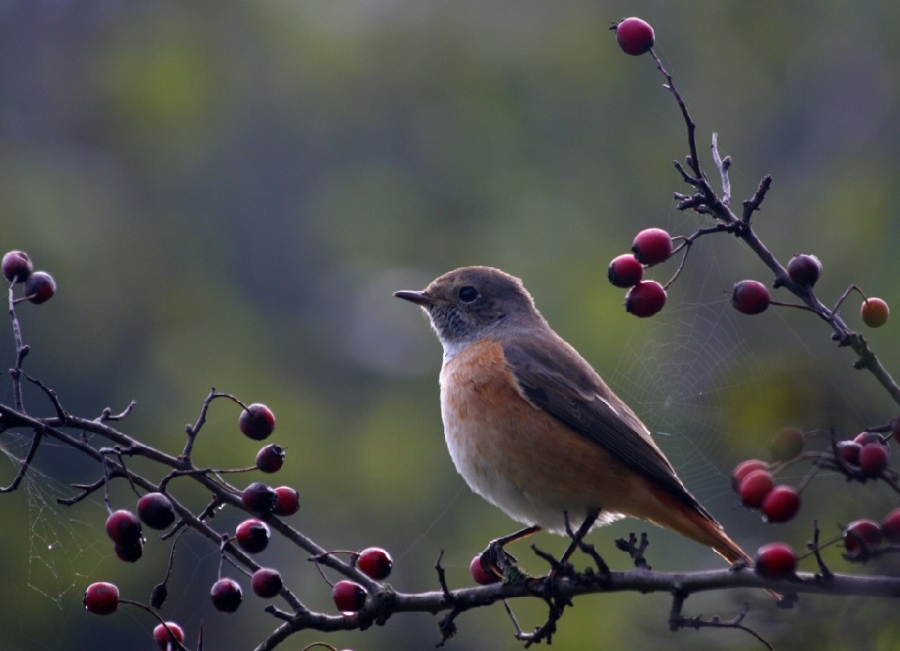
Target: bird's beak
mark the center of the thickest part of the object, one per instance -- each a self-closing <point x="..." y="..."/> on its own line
<point x="419" y="298"/>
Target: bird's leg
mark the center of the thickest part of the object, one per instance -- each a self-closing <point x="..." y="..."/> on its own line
<point x="495" y="559"/>
<point x="578" y="536"/>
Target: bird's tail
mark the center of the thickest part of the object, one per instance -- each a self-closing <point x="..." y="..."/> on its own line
<point x="697" y="524"/>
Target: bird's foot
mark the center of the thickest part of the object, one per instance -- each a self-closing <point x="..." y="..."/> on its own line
<point x="497" y="561"/>
<point x="635" y="549"/>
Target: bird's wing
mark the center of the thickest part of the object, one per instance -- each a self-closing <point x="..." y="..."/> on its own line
<point x="567" y="388"/>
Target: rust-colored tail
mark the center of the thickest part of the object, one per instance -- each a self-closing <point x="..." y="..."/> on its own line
<point x="714" y="536"/>
<point x="697" y="524"/>
<point x="687" y="517"/>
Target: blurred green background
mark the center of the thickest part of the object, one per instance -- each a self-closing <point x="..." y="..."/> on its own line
<point x="228" y="192"/>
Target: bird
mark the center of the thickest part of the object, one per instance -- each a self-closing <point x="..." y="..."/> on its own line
<point x="534" y="430"/>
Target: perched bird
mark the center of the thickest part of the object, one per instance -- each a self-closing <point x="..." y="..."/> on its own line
<point x="534" y="430"/>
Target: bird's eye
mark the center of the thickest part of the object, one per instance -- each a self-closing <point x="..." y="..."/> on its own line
<point x="468" y="294"/>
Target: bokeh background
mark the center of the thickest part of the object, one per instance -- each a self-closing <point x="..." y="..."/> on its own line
<point x="228" y="192"/>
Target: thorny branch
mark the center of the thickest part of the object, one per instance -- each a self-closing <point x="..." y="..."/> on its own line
<point x="706" y="201"/>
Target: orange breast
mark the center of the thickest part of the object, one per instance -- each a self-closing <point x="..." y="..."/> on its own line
<point x="519" y="457"/>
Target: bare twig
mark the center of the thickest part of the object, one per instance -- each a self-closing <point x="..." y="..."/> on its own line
<point x="678" y="621"/>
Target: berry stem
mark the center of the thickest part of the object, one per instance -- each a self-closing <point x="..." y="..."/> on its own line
<point x="816" y="466"/>
<point x="21" y="352"/>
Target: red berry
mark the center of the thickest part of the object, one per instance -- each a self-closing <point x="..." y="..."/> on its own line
<point x="786" y="444"/>
<point x="804" y="269"/>
<point x="17" y="266"/>
<point x="40" y="287"/>
<point x="861" y="536"/>
<point x="890" y="526"/>
<point x="776" y="561"/>
<point x="864" y="438"/>
<point x="259" y="498"/>
<point x="848" y="451"/>
<point x="645" y="299"/>
<point x="167" y="633"/>
<point x="481" y="575"/>
<point x="288" y="501"/>
<point x="257" y="421"/>
<point x="375" y="563"/>
<point x="874" y="458"/>
<point x="349" y="597"/>
<point x="156" y="511"/>
<point x="625" y="271"/>
<point x="266" y="582"/>
<point x="252" y="535"/>
<point x="744" y="468"/>
<point x="123" y="527"/>
<point x="130" y="552"/>
<point x="226" y="595"/>
<point x="781" y="504"/>
<point x="270" y="458"/>
<point x="750" y="297"/>
<point x="101" y="598"/>
<point x="754" y="487"/>
<point x="652" y="246"/>
<point x="874" y="312"/>
<point x="634" y="36"/>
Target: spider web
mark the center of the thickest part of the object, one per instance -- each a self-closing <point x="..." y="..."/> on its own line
<point x="62" y="549"/>
<point x="680" y="370"/>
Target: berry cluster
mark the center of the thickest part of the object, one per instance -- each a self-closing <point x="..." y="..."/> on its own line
<point x="645" y="297"/>
<point x="755" y="483"/>
<point x="863" y="458"/>
<point x="756" y="487"/>
<point x="654" y="245"/>
<point x="18" y="268"/>
<point x="156" y="510"/>
<point x="349" y="596"/>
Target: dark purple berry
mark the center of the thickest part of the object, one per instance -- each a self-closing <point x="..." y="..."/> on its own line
<point x="40" y="287"/>
<point x="156" y="511"/>
<point x="259" y="498"/>
<point x="257" y="421"/>
<point x="750" y="297"/>
<point x="123" y="527"/>
<point x="266" y="582"/>
<point x="270" y="458"/>
<point x="129" y="552"/>
<point x="252" y="535"/>
<point x="17" y="266"/>
<point x="226" y="595"/>
<point x="804" y="269"/>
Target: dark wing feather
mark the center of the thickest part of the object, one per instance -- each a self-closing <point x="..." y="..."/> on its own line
<point x="567" y="388"/>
